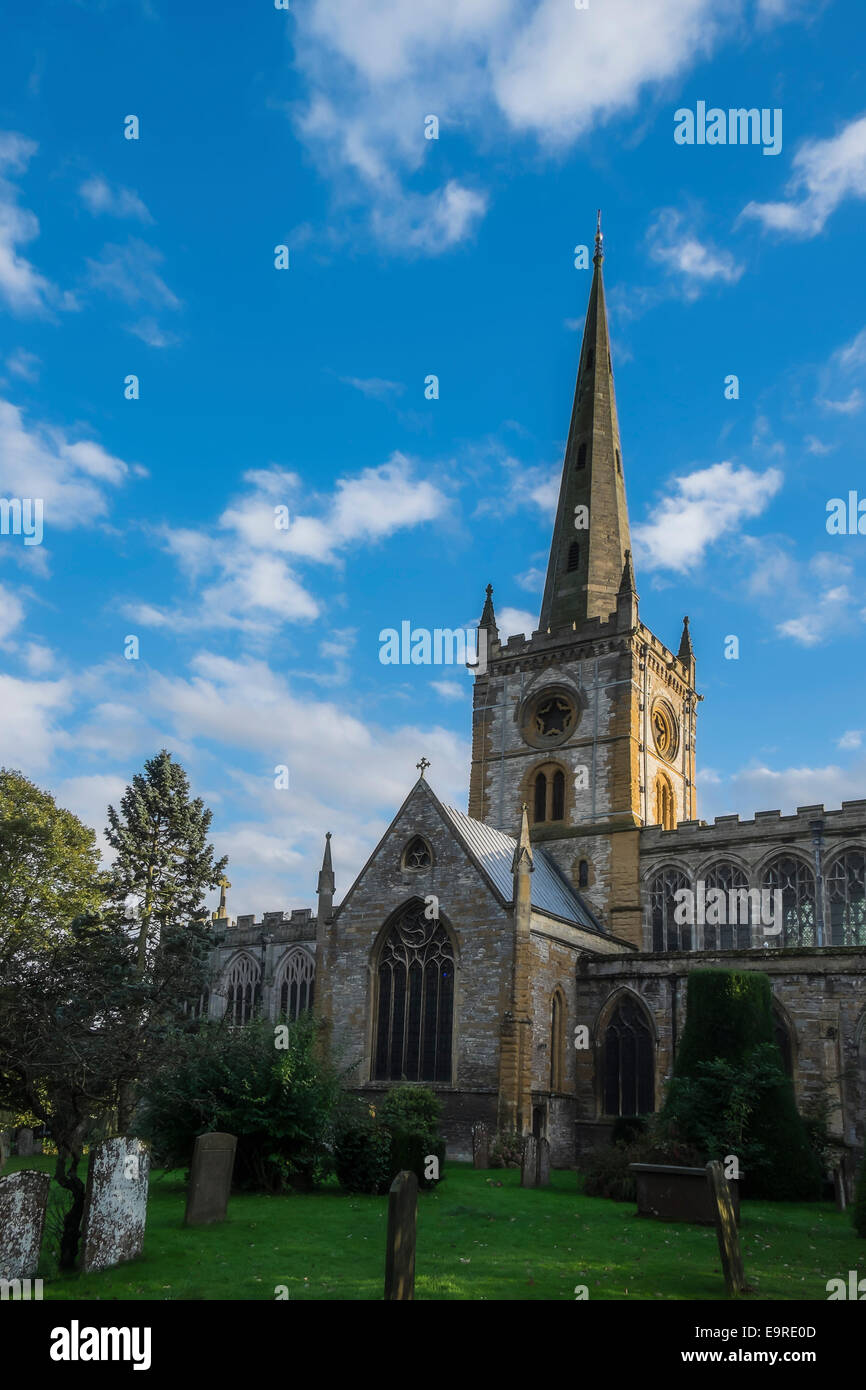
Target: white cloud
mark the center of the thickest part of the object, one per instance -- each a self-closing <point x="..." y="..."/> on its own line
<point x="38" y="659"/>
<point x="29" y="729"/>
<point x="21" y="285"/>
<point x="851" y="405"/>
<point x="701" y="509"/>
<point x="70" y="477"/>
<point x="449" y="690"/>
<point x="100" y="196"/>
<point x="23" y="364"/>
<point x="130" y="273"/>
<point x="826" y="172"/>
<point x="375" y="69"/>
<point x="511" y="621"/>
<point x="532" y="580"/>
<point x="763" y="788"/>
<point x="377" y="388"/>
<point x="149" y="331"/>
<point x="11" y="612"/>
<point x="852" y="738"/>
<point x="693" y="262"/>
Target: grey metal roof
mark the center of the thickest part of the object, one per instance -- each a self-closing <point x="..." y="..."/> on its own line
<point x="495" y="851"/>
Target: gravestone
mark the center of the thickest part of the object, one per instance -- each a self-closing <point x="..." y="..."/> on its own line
<point x="210" y="1181"/>
<point x="839" y="1188"/>
<point x="5" y="1147"/>
<point x="726" y="1230"/>
<point x="543" y="1163"/>
<point x="115" y="1207"/>
<point x="23" y="1198"/>
<point x="400" y="1250"/>
<point x="480" y="1146"/>
<point x="26" y="1144"/>
<point x="529" y="1162"/>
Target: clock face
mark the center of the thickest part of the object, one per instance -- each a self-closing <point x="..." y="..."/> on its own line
<point x="664" y="731"/>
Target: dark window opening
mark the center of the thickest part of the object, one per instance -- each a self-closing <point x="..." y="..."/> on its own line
<point x="583" y="874"/>
<point x="416" y="1001"/>
<point x="558" y="812"/>
<point x="573" y="556"/>
<point x="540" y="797"/>
<point x="581" y="456"/>
<point x="628" y="1062"/>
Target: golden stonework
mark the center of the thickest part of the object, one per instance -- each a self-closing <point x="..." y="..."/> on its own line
<point x="664" y="731"/>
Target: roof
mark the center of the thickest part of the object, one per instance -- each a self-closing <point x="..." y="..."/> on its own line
<point x="495" y="851"/>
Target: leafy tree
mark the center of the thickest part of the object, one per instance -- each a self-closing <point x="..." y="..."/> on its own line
<point x="163" y="858"/>
<point x="277" y="1100"/>
<point x="729" y="1093"/>
<point x="49" y="867"/>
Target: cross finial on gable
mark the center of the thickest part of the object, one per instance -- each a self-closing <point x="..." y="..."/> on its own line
<point x="424" y="763"/>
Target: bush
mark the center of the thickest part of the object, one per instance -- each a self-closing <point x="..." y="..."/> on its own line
<point x="506" y="1151"/>
<point x="605" y="1174"/>
<point x="278" y="1101"/>
<point x="362" y="1150"/>
<point x="858" y="1210"/>
<point x="411" y="1114"/>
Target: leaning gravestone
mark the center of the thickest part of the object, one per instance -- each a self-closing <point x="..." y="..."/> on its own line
<point x="480" y="1146"/>
<point x="402" y="1225"/>
<point x="529" y="1162"/>
<point x="210" y="1181"/>
<point x="543" y="1163"/>
<point x="5" y="1147"/>
<point x="726" y="1230"/>
<point x="23" y="1198"/>
<point x="115" y="1207"/>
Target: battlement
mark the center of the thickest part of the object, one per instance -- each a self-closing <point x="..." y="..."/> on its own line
<point x="299" y="924"/>
<point x="850" y="819"/>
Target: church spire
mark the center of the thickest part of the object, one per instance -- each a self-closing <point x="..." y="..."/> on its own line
<point x="686" y="652"/>
<point x="590" y="534"/>
<point x="488" y="617"/>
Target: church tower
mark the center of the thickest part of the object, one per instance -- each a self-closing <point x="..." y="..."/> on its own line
<point x="591" y="719"/>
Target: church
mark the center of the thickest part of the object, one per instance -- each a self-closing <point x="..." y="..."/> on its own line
<point x="529" y="958"/>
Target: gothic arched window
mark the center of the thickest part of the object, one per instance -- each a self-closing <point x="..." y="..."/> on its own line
<point x="664" y="808"/>
<point x="557" y="1041"/>
<point x="296" y="983"/>
<point x="415" y="1000"/>
<point x="627" y="1066"/>
<point x="846" y="899"/>
<point x="417" y="854"/>
<point x="733" y="930"/>
<point x="242" y="990"/>
<point x="581" y="456"/>
<point x="540" y="798"/>
<point x="796" y="882"/>
<point x="548" y="795"/>
<point x="583" y="874"/>
<point x="668" y="934"/>
<point x="573" y="556"/>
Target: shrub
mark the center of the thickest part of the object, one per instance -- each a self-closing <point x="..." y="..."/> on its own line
<point x="858" y="1209"/>
<point x="278" y="1101"/>
<point x="506" y="1150"/>
<point x="606" y="1174"/>
<point x="362" y="1150"/>
<point x="411" y="1114"/>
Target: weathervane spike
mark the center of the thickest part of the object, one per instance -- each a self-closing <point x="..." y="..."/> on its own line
<point x="599" y="239"/>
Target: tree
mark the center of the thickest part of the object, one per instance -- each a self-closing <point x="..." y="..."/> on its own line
<point x="163" y="856"/>
<point x="49" y="867"/>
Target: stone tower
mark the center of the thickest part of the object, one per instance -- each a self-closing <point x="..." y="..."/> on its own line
<point x="590" y="721"/>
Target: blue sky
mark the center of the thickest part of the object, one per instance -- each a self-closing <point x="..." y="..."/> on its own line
<point x="305" y="387"/>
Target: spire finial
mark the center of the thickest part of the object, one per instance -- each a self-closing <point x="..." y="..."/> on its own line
<point x="599" y="240"/>
<point x="424" y="764"/>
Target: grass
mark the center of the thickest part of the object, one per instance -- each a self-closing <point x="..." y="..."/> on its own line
<point x="475" y="1241"/>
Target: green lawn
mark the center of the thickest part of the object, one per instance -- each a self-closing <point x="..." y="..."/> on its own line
<point x="475" y="1241"/>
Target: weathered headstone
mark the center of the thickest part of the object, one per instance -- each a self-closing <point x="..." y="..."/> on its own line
<point x="26" y="1144"/>
<point x="529" y="1162"/>
<point x="480" y="1146"/>
<point x="400" y="1250"/>
<point x="726" y="1230"/>
<point x="543" y="1163"/>
<point x="210" y="1181"/>
<point x="115" y="1207"/>
<point x="23" y="1197"/>
<point x="5" y="1147"/>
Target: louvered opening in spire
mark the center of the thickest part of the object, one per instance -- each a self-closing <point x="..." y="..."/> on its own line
<point x="592" y="511"/>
